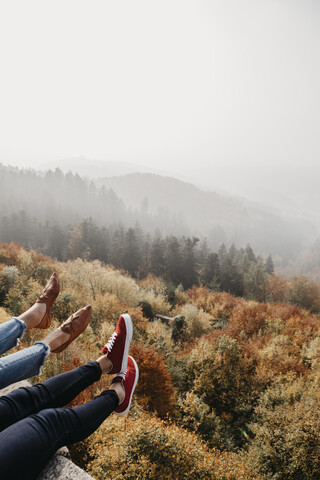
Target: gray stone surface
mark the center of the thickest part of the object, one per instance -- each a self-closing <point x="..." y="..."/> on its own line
<point x="59" y="467"/>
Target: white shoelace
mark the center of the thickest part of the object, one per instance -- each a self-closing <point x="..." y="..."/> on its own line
<point x="111" y="341"/>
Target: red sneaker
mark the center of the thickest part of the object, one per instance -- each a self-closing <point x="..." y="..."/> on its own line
<point x="129" y="381"/>
<point x="117" y="348"/>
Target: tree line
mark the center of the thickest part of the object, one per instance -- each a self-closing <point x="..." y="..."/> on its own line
<point x="178" y="260"/>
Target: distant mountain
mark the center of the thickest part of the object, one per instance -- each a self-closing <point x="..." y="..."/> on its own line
<point x="218" y="216"/>
<point x="155" y="202"/>
<point x="95" y="168"/>
<point x="289" y="188"/>
<point x="293" y="189"/>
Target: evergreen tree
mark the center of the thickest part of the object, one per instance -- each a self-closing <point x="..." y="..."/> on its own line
<point x="56" y="242"/>
<point x="132" y="253"/>
<point x="251" y="255"/>
<point x="269" y="265"/>
<point x="173" y="260"/>
<point x="211" y="272"/>
<point x="145" y="263"/>
<point x="117" y="248"/>
<point x="222" y="252"/>
<point x="158" y="257"/>
<point x="189" y="268"/>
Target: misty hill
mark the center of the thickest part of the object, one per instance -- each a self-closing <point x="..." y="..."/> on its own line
<point x="157" y="203"/>
<point x="293" y="189"/>
<point x="68" y="198"/>
<point x="54" y="196"/>
<point x="220" y="217"/>
<point x="94" y="168"/>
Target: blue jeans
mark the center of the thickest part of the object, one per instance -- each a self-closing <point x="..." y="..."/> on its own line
<point x="33" y="425"/>
<point x="23" y="364"/>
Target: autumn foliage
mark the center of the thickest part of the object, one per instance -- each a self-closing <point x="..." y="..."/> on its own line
<point x="227" y="390"/>
<point x="155" y="385"/>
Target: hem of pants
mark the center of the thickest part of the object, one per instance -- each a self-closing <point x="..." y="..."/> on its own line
<point x="46" y="353"/>
<point x="24" y="327"/>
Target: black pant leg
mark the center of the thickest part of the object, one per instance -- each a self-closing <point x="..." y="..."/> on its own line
<point x="54" y="392"/>
<point x="26" y="446"/>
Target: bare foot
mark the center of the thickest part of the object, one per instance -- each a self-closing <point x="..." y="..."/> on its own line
<point x="34" y="315"/>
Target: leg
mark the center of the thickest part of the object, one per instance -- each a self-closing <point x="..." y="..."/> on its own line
<point x="35" y="438"/>
<point x="23" y="364"/>
<point x="27" y="363"/>
<point x="10" y="333"/>
<point x="28" y="445"/>
<point x="54" y="392"/>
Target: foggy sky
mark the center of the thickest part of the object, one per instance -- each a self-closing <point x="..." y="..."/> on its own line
<point x="176" y="83"/>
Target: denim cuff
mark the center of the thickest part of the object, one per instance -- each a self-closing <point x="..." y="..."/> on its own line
<point x="23" y="326"/>
<point x="45" y="354"/>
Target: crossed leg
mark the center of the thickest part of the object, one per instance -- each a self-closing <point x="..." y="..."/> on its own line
<point x="33" y="425"/>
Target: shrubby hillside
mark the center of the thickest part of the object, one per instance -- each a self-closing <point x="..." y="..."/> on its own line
<point x="228" y="389"/>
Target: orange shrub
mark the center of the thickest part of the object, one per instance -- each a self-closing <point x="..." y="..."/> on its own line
<point x="248" y="318"/>
<point x="154" y="388"/>
<point x="9" y="253"/>
<point x="276" y="289"/>
<point x="219" y="305"/>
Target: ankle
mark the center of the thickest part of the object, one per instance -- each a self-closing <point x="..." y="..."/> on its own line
<point x="33" y="316"/>
<point x="119" y="389"/>
<point x="55" y="339"/>
<point x="105" y="364"/>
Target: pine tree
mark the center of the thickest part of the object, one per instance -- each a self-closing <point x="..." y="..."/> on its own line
<point x="269" y="265"/>
<point x="173" y="260"/>
<point x="211" y="272"/>
<point x="132" y="252"/>
<point x="189" y="268"/>
<point x="158" y="257"/>
<point x="251" y="255"/>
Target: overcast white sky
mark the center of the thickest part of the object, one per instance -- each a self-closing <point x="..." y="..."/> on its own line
<point x="173" y="81"/>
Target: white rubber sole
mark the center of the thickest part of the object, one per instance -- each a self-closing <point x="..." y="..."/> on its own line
<point x="133" y="389"/>
<point x="129" y="329"/>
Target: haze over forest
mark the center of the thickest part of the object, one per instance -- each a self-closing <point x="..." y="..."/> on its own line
<point x="160" y="206"/>
<point x="141" y="97"/>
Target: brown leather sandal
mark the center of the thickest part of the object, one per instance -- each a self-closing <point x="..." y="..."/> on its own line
<point x="48" y="296"/>
<point x="75" y="325"/>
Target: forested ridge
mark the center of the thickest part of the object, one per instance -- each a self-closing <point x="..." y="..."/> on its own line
<point x="228" y="389"/>
<point x="52" y="201"/>
<point x="67" y="217"/>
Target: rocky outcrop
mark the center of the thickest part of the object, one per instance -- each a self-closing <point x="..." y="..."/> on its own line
<point x="60" y="468"/>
